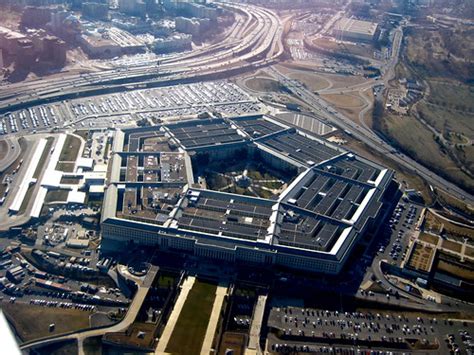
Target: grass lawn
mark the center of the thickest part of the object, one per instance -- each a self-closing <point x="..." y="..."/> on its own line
<point x="453" y="246"/>
<point x="61" y="348"/>
<point x="56" y="196"/>
<point x="312" y="82"/>
<point x="347" y="100"/>
<point x="67" y="167"/>
<point x="165" y="281"/>
<point x="188" y="334"/>
<point x="419" y="143"/>
<point x="455" y="270"/>
<point x="84" y="133"/>
<point x="3" y="148"/>
<point x="263" y="84"/>
<point x="432" y="239"/>
<point x="32" y="322"/>
<point x="27" y="199"/>
<point x="43" y="158"/>
<point x="70" y="149"/>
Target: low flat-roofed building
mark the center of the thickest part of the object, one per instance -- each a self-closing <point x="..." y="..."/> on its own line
<point x="312" y="225"/>
<point x="348" y="29"/>
<point x="85" y="163"/>
<point x="99" y="46"/>
<point x="77" y="197"/>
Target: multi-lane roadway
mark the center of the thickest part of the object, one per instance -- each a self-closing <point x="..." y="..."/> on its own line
<point x="254" y="40"/>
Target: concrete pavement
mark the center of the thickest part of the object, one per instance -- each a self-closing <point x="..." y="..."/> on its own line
<point x="221" y="292"/>
<point x="256" y="326"/>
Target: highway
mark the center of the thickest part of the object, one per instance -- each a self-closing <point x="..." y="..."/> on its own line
<point x="253" y="41"/>
<point x="365" y="133"/>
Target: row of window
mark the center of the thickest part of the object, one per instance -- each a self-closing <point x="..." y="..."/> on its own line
<point x="125" y="234"/>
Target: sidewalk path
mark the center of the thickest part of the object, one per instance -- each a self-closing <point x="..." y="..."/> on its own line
<point x="221" y="292"/>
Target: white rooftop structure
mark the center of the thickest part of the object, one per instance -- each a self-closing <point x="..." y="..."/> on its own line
<point x="75" y="196"/>
<point x="85" y="163"/>
<point x="28" y="177"/>
<point x="354" y="30"/>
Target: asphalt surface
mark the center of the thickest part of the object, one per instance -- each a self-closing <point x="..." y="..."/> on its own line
<point x="129" y="318"/>
<point x="388" y="328"/>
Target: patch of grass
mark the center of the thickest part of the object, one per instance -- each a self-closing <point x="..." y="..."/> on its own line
<point x="263" y="85"/>
<point x="70" y="180"/>
<point x="418" y="142"/>
<point x="66" y="167"/>
<point x="345" y="100"/>
<point x="432" y="223"/>
<point x="43" y="158"/>
<point x="165" y="281"/>
<point x="311" y="81"/>
<point x="70" y="149"/>
<point x="263" y="193"/>
<point x="432" y="239"/>
<point x="3" y="149"/>
<point x="449" y="229"/>
<point x="453" y="246"/>
<point x="26" y="200"/>
<point x="93" y="346"/>
<point x="32" y="322"/>
<point x="455" y="270"/>
<point x="56" y="196"/>
<point x="188" y="334"/>
<point x="62" y="348"/>
<point x="83" y="133"/>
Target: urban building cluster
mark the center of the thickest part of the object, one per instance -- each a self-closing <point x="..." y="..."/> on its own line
<point x="48" y="29"/>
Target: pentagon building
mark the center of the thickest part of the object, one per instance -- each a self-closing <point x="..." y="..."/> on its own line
<point x="153" y="199"/>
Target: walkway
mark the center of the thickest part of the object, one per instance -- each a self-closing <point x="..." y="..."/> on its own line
<point x="165" y="337"/>
<point x="221" y="292"/>
<point x="256" y="326"/>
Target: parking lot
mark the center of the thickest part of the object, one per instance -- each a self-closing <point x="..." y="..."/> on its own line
<point x="402" y="226"/>
<point x="22" y="281"/>
<point x="122" y="109"/>
<point x="31" y="119"/>
<point x="381" y="330"/>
